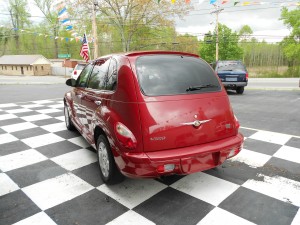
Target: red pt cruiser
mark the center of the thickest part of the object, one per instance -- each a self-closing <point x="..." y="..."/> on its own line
<point x="152" y="113"/>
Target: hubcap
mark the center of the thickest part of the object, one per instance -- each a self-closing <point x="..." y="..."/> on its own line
<point x="66" y="116"/>
<point x="103" y="159"/>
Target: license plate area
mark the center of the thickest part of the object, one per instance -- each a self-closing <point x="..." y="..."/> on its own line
<point x="231" y="79"/>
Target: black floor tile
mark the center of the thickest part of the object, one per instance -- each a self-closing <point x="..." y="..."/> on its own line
<point x="16" y="206"/>
<point x="259" y="208"/>
<point x="58" y="148"/>
<point x="90" y="174"/>
<point x="294" y="142"/>
<point x="11" y="121"/>
<point x="90" y="208"/>
<point x="281" y="167"/>
<point x="66" y="134"/>
<point x="233" y="171"/>
<point x="247" y="132"/>
<point x="173" y="207"/>
<point x="261" y="146"/>
<point x="29" y="133"/>
<point x="46" y="122"/>
<point x="13" y="147"/>
<point x="35" y="173"/>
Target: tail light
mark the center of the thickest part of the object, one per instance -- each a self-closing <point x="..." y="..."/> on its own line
<point x="125" y="136"/>
<point x="236" y="122"/>
<point x="75" y="72"/>
<point x="247" y="76"/>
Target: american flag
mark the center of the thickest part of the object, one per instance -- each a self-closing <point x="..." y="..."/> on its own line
<point x="84" y="52"/>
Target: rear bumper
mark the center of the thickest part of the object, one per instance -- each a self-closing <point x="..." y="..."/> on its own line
<point x="235" y="84"/>
<point x="185" y="160"/>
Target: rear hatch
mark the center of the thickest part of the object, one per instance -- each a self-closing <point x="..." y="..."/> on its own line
<point x="183" y="103"/>
<point x="231" y="71"/>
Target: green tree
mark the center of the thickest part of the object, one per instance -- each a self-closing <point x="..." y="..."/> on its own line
<point x="19" y="18"/>
<point x="291" y="44"/>
<point x="229" y="48"/>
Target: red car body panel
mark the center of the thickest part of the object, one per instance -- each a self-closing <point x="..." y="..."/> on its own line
<point x="158" y="123"/>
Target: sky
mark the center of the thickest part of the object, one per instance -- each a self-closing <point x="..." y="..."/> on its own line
<point x="263" y="19"/>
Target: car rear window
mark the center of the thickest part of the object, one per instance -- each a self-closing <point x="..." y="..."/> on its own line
<point x="175" y="74"/>
<point x="80" y="66"/>
<point x="230" y="66"/>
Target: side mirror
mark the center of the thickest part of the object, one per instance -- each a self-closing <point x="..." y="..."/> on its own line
<point x="71" y="82"/>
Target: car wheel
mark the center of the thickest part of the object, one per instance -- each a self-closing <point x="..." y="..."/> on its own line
<point x="69" y="123"/>
<point x="109" y="172"/>
<point x="240" y="90"/>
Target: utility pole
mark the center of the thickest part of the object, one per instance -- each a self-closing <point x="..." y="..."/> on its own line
<point x="217" y="12"/>
<point x="94" y="25"/>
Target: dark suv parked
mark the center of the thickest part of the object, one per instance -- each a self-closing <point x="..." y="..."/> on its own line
<point x="233" y="75"/>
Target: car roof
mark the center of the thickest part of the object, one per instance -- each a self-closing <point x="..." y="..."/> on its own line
<point x="152" y="52"/>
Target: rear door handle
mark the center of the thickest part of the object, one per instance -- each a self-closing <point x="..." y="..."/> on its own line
<point x="98" y="102"/>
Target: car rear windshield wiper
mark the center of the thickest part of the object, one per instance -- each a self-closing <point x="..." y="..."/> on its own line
<point x="194" y="88"/>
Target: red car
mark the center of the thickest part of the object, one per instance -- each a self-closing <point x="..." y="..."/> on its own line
<point x="153" y="113"/>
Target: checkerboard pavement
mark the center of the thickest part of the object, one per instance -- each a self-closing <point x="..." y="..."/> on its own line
<point x="49" y="175"/>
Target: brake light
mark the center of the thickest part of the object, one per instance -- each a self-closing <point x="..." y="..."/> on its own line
<point x="247" y="75"/>
<point x="125" y="136"/>
<point x="236" y="122"/>
<point x="75" y="72"/>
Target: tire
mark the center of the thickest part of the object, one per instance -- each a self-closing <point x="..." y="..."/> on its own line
<point x="109" y="172"/>
<point x="69" y="123"/>
<point x="240" y="90"/>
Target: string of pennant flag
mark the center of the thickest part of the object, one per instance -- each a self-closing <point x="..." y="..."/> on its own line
<point x="63" y="17"/>
<point x="244" y="3"/>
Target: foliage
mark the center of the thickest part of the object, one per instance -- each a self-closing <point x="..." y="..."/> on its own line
<point x="131" y="16"/>
<point x="228" y="45"/>
<point x="291" y="44"/>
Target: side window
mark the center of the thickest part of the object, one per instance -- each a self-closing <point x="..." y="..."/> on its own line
<point x="112" y="75"/>
<point x="97" y="78"/>
<point x="82" y="79"/>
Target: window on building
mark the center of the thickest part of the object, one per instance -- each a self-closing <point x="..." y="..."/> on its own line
<point x="35" y="67"/>
<point x="5" y="68"/>
<point x="27" y="68"/>
<point x="42" y="68"/>
<point x="12" y="68"/>
<point x="16" y="68"/>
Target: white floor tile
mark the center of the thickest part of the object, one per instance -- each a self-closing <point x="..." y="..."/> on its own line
<point x="42" y="140"/>
<point x="32" y="106"/>
<point x="277" y="187"/>
<point x="131" y="218"/>
<point x="75" y="159"/>
<point x="7" y="116"/>
<point x="52" y="192"/>
<point x="42" y="101"/>
<point x="49" y="110"/>
<point x="80" y="141"/>
<point x="55" y="127"/>
<point x="6" y="138"/>
<point x="289" y="153"/>
<point x="61" y="118"/>
<point x="132" y="192"/>
<point x="251" y="158"/>
<point x="40" y="218"/>
<point x="18" y="111"/>
<point x="8" y="105"/>
<point x="219" y="216"/>
<point x="296" y="220"/>
<point x="206" y="187"/>
<point x="36" y="117"/>
<point x="60" y="105"/>
<point x="7" y="185"/>
<point x="20" y="159"/>
<point x="272" y="137"/>
<point x="18" y="127"/>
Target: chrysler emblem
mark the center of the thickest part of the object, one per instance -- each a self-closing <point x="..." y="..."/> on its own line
<point x="196" y="123"/>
